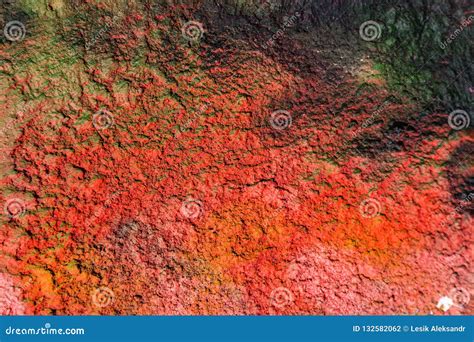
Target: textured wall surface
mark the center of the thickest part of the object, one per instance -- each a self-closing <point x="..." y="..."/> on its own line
<point x="236" y="157"/>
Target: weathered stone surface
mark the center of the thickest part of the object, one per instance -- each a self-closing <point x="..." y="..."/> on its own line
<point x="244" y="172"/>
